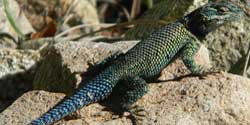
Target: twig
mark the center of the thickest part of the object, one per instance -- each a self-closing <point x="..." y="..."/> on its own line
<point x="79" y="27"/>
<point x="69" y="10"/>
<point x="121" y="25"/>
<point x="246" y="63"/>
<point x="125" y="11"/>
<point x="10" y="18"/>
<point x="114" y="2"/>
<point x="136" y="7"/>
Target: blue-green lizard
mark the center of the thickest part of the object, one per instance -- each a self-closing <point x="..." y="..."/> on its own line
<point x="148" y="58"/>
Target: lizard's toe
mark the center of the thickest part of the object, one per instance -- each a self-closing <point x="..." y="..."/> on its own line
<point x="138" y="113"/>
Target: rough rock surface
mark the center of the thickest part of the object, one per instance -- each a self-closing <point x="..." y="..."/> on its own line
<point x="15" y="61"/>
<point x="229" y="46"/>
<point x="216" y="99"/>
<point x="67" y="60"/>
<point x="17" y="70"/>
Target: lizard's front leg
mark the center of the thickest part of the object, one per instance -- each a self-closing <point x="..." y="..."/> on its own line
<point x="188" y="53"/>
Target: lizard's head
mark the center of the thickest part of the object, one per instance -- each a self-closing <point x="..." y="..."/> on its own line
<point x="211" y="16"/>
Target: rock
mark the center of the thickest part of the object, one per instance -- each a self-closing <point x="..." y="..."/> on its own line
<point x="29" y="105"/>
<point x="229" y="45"/>
<point x="216" y="99"/>
<point x="32" y="104"/>
<point x="220" y="98"/>
<point x="17" y="70"/>
<point x="67" y="60"/>
<point x="14" y="61"/>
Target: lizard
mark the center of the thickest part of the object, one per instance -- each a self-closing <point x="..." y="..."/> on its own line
<point x="148" y="58"/>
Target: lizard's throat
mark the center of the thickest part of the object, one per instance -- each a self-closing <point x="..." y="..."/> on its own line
<point x="196" y="27"/>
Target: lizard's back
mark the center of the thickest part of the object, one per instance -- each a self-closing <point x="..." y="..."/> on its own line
<point x="149" y="56"/>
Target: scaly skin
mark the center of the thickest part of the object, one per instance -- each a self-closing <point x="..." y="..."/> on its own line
<point x="148" y="58"/>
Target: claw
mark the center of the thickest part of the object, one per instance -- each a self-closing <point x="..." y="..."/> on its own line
<point x="138" y="113"/>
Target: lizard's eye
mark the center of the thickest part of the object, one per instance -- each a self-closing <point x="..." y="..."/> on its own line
<point x="223" y="9"/>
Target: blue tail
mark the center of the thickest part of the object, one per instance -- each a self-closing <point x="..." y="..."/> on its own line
<point x="95" y="90"/>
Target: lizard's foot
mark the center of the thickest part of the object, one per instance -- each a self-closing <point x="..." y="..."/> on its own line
<point x="137" y="114"/>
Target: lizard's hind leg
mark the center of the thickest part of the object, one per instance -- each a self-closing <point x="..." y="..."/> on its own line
<point x="137" y="87"/>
